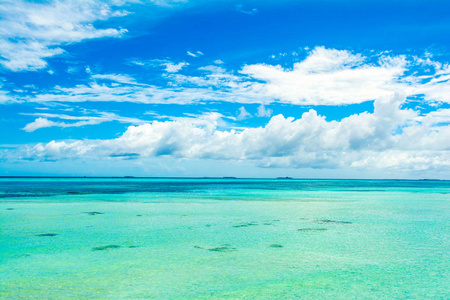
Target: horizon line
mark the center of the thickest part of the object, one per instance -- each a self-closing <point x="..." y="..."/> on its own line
<point x="212" y="177"/>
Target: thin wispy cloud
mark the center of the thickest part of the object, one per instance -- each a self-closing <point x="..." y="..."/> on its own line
<point x="43" y="120"/>
<point x="194" y="54"/>
<point x="167" y="64"/>
<point x="240" y="8"/>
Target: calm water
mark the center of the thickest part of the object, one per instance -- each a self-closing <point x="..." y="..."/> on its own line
<point x="223" y="239"/>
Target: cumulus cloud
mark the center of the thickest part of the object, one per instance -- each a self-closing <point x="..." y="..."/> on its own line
<point x="328" y="77"/>
<point x="243" y="114"/>
<point x="263" y="111"/>
<point x="30" y="32"/>
<point x="390" y="138"/>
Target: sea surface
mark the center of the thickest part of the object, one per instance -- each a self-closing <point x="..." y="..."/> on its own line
<point x="139" y="238"/>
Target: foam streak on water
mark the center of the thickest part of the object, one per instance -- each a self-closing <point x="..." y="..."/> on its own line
<point x="223" y="239"/>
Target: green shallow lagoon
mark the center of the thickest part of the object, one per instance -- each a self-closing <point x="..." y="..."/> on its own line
<point x="223" y="239"/>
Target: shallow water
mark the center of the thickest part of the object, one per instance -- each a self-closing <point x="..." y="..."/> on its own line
<point x="223" y="239"/>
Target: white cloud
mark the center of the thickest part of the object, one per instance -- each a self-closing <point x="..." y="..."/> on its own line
<point x="243" y="114"/>
<point x="169" y="66"/>
<point x="124" y="88"/>
<point x="240" y="8"/>
<point x="365" y="140"/>
<point x="404" y="160"/>
<point x="196" y="54"/>
<point x="5" y="97"/>
<point x="263" y="112"/>
<point x="173" y="68"/>
<point x="73" y="70"/>
<point x="115" y="78"/>
<point x="30" y="32"/>
<point x="328" y="77"/>
<point x="44" y="122"/>
<point x="215" y="71"/>
<point x="40" y="123"/>
<point x="166" y="2"/>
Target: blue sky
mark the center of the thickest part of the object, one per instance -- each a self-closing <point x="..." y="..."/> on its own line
<point x="323" y="89"/>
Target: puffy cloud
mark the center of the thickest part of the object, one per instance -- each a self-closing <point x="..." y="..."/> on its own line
<point x="243" y="114"/>
<point x="39" y="123"/>
<point x="30" y="32"/>
<point x="263" y="111"/>
<point x="390" y="137"/>
<point x="328" y="77"/>
<point x="54" y="150"/>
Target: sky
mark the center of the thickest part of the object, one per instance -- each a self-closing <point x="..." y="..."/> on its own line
<point x="212" y="88"/>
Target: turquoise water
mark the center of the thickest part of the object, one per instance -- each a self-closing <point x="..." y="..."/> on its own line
<point x="223" y="239"/>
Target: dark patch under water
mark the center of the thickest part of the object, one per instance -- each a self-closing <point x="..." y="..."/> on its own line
<point x="47" y="234"/>
<point x="248" y="224"/>
<point x="222" y="249"/>
<point x="312" y="229"/>
<point x="276" y="246"/>
<point x="93" y="213"/>
<point x="327" y="221"/>
<point x="107" y="247"/>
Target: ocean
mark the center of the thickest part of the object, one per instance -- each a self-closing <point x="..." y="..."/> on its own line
<point x="150" y="238"/>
